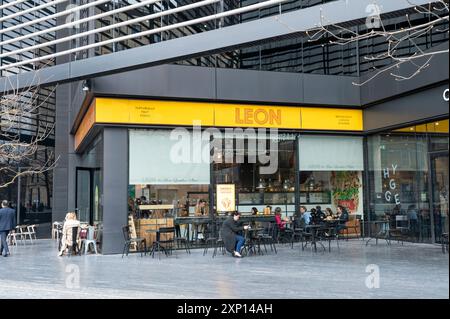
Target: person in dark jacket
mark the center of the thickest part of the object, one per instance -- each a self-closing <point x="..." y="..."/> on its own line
<point x="232" y="241"/>
<point x="7" y="223"/>
<point x="342" y="217"/>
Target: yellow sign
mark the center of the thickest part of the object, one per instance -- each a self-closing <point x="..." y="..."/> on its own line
<point x="256" y="116"/>
<point x="331" y="119"/>
<point x="226" y="198"/>
<point x="153" y="112"/>
<point x="86" y="124"/>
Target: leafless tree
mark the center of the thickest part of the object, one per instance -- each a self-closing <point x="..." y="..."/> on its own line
<point x="23" y="132"/>
<point x="437" y="13"/>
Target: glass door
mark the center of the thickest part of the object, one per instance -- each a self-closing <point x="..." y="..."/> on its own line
<point x="84" y="192"/>
<point x="439" y="182"/>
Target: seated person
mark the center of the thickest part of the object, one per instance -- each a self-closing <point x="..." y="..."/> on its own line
<point x="67" y="233"/>
<point x="328" y="214"/>
<point x="232" y="241"/>
<point x="313" y="220"/>
<point x="201" y="209"/>
<point x="320" y="214"/>
<point x="342" y="217"/>
<point x="305" y="215"/>
<point x="281" y="223"/>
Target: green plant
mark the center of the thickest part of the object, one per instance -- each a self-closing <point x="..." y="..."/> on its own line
<point x="345" y="194"/>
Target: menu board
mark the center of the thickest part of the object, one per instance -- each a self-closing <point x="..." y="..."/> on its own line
<point x="226" y="200"/>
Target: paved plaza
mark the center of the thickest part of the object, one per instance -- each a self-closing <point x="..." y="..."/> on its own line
<point x="408" y="271"/>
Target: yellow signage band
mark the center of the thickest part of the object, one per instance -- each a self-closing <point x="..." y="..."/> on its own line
<point x="177" y="113"/>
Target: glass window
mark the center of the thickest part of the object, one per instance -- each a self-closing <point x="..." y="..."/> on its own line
<point x="401" y="176"/>
<point x="169" y="176"/>
<point x="168" y="157"/>
<point x="254" y="187"/>
<point x="331" y="172"/>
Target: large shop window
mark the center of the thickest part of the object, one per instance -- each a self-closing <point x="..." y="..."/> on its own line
<point x="167" y="157"/>
<point x="169" y="176"/>
<point x="331" y="172"/>
<point x="256" y="187"/>
<point x="408" y="173"/>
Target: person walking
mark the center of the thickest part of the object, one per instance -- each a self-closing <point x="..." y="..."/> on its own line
<point x="232" y="241"/>
<point x="7" y="223"/>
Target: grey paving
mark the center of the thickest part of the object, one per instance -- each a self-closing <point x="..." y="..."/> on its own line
<point x="409" y="271"/>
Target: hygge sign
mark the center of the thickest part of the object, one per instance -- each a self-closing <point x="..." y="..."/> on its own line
<point x="389" y="194"/>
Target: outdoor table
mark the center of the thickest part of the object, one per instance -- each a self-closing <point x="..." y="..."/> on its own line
<point x="383" y="232"/>
<point x="314" y="229"/>
<point x="250" y="239"/>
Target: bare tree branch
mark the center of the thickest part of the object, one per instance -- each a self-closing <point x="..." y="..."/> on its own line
<point x="23" y="132"/>
<point x="436" y="12"/>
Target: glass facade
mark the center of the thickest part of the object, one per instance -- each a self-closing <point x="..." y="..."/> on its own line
<point x="408" y="176"/>
<point x="89" y="188"/>
<point x="325" y="176"/>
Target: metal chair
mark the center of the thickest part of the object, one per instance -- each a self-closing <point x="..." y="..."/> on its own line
<point x="165" y="238"/>
<point x="444" y="242"/>
<point x="401" y="230"/>
<point x="90" y="240"/>
<point x="128" y="241"/>
<point x="32" y="230"/>
<point x="356" y="226"/>
<point x="24" y="232"/>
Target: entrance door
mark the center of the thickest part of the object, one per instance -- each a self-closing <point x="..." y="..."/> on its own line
<point x="84" y="195"/>
<point x="88" y="197"/>
<point x="439" y="182"/>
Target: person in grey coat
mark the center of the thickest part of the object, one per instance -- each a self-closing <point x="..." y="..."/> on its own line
<point x="7" y="223"/>
<point x="232" y="241"/>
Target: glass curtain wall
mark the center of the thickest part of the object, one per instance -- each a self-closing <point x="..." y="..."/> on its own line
<point x="408" y="176"/>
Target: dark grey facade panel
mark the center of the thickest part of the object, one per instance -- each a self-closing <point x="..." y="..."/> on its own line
<point x="420" y="106"/>
<point x="385" y="84"/>
<point x="259" y="86"/>
<point x="331" y="90"/>
<point x="60" y="176"/>
<point x="115" y="181"/>
<point x="160" y="81"/>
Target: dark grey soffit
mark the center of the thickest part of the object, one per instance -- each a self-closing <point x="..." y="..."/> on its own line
<point x="208" y="42"/>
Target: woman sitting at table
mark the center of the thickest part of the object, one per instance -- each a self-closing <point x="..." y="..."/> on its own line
<point x="201" y="209"/>
<point x="329" y="214"/>
<point x="280" y="223"/>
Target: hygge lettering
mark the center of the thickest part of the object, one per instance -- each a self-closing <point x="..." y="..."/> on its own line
<point x="391" y="184"/>
<point x="206" y="146"/>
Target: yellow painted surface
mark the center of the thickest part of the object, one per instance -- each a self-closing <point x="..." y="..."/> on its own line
<point x="86" y="124"/>
<point x="125" y="111"/>
<point x="331" y="119"/>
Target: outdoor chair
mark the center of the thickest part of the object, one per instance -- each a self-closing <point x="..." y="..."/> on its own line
<point x="165" y="239"/>
<point x="401" y="230"/>
<point x="12" y="237"/>
<point x="355" y="225"/>
<point x="139" y="242"/>
<point x="267" y="237"/>
<point x="89" y="241"/>
<point x="32" y="230"/>
<point x="444" y="242"/>
<point x="24" y="232"/>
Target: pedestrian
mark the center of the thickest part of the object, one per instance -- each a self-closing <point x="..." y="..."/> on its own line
<point x="232" y="240"/>
<point x="7" y="223"/>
